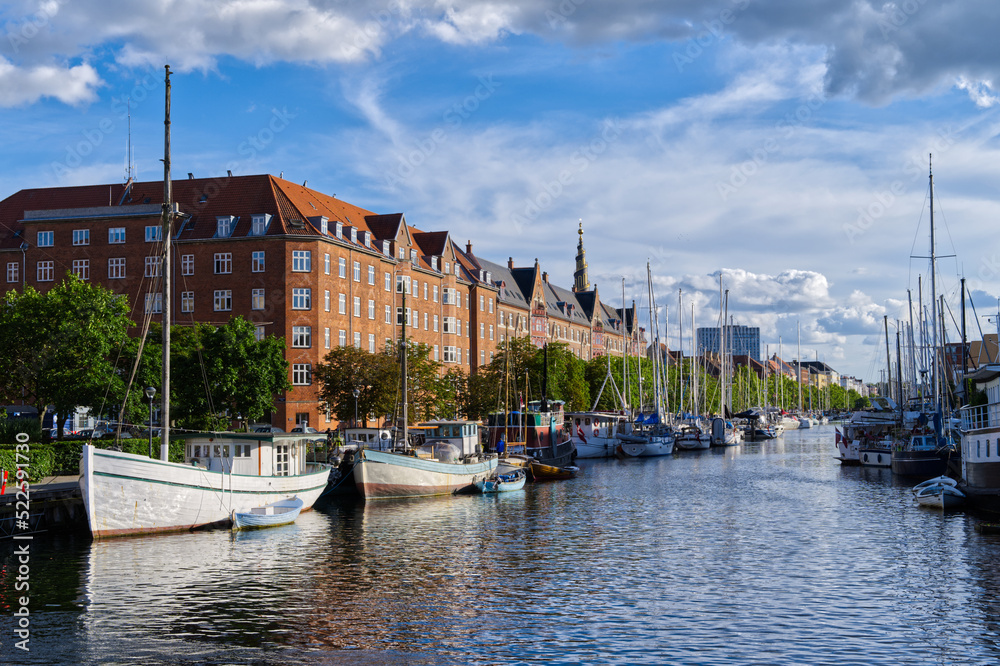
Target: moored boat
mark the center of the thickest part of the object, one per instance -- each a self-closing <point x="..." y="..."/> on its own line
<point x="542" y="472"/>
<point x="595" y="434"/>
<point x="940" y="496"/>
<point x="274" y="514"/>
<point x="920" y="455"/>
<point x="502" y="483"/>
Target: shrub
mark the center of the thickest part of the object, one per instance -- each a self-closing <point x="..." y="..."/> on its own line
<point x="39" y="464"/>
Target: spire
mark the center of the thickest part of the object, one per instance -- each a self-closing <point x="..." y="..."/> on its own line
<point x="580" y="281"/>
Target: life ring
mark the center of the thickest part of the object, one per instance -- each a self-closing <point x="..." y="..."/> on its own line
<point x="595" y="432"/>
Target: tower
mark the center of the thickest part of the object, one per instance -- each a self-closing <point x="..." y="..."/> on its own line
<point x="580" y="281"/>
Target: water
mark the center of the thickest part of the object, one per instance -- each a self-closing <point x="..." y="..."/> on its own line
<point x="759" y="554"/>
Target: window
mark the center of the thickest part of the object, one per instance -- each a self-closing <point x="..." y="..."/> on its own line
<point x="371" y="275"/>
<point x="259" y="224"/>
<point x="45" y="238"/>
<point x="301" y="374"/>
<point x="187" y="264"/>
<point x="416" y="320"/>
<point x="371" y="309"/>
<point x="257" y="262"/>
<point x="154" y="234"/>
<point x="45" y="271"/>
<point x="491" y="331"/>
<point x="480" y="302"/>
<point x="81" y="237"/>
<point x="81" y="268"/>
<point x="256" y="299"/>
<point x="435" y="293"/>
<point x="258" y="332"/>
<point x="371" y="343"/>
<point x="491" y="306"/>
<point x="435" y="323"/>
<point x="357" y="271"/>
<point x="223" y="300"/>
<point x="449" y="324"/>
<point x="413" y="256"/>
<point x="223" y="226"/>
<point x="357" y="339"/>
<point x="388" y="311"/>
<point x="13" y="271"/>
<point x="402" y="284"/>
<point x="447" y="267"/>
<point x="342" y="267"/>
<point x="116" y="235"/>
<point x="154" y="303"/>
<point x="301" y="261"/>
<point x="388" y="281"/>
<point x="357" y="306"/>
<point x="436" y="355"/>
<point x="446" y="295"/>
<point x="482" y="331"/>
<point x="326" y="300"/>
<point x="302" y="336"/>
<point x="326" y="337"/>
<point x="153" y="265"/>
<point x="342" y="304"/>
<point x="187" y="301"/>
<point x="342" y="338"/>
<point x="425" y="291"/>
<point x="399" y="316"/>
<point x="301" y="299"/>
<point x="425" y="321"/>
<point x="449" y="355"/>
<point x="116" y="268"/>
<point x="223" y="263"/>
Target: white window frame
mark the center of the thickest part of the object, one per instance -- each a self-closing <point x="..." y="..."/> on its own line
<point x="302" y="337"/>
<point x="223" y="263"/>
<point x="302" y="298"/>
<point x="45" y="239"/>
<point x="301" y="261"/>
<point x="187" y="264"/>
<point x="223" y="300"/>
<point x="81" y="237"/>
<point x="116" y="268"/>
<point x="257" y="261"/>
<point x="116" y="236"/>
<point x="45" y="271"/>
<point x="187" y="301"/>
<point x="256" y="299"/>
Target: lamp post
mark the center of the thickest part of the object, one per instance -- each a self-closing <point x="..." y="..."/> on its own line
<point x="150" y="392"/>
<point x="356" y="393"/>
<point x="24" y="264"/>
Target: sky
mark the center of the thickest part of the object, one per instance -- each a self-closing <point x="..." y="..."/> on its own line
<point x="778" y="145"/>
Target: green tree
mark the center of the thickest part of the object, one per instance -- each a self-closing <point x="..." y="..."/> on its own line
<point x="345" y="369"/>
<point x="59" y="347"/>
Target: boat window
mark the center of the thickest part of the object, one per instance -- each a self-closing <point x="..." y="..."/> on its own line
<point x="587" y="421"/>
<point x="578" y="421"/>
<point x="281" y="460"/>
<point x="194" y="451"/>
<point x="217" y="451"/>
<point x="225" y="450"/>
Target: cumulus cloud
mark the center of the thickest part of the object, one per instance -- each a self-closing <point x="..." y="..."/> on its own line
<point x="26" y="85"/>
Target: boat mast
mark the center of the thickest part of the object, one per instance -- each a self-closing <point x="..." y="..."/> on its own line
<point x="403" y="369"/>
<point x="680" y="351"/>
<point x="934" y="345"/>
<point x="888" y="359"/>
<point x="798" y="361"/>
<point x="167" y="218"/>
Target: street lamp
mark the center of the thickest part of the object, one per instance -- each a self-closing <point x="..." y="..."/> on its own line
<point x="150" y="392"/>
<point x="356" y="393"/>
<point x="24" y="264"/>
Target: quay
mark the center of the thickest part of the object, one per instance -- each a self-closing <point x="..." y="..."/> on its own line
<point x="54" y="501"/>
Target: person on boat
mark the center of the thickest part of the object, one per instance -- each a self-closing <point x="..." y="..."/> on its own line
<point x="501" y="446"/>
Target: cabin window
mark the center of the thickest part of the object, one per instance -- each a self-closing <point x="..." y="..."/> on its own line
<point x="281" y="460"/>
<point x="578" y="421"/>
<point x="978" y="450"/>
<point x="217" y="451"/>
<point x="586" y="421"/>
<point x="225" y="450"/>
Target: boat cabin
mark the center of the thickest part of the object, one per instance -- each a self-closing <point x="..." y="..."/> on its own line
<point x="446" y="440"/>
<point x="379" y="439"/>
<point x="591" y="424"/>
<point x="249" y="454"/>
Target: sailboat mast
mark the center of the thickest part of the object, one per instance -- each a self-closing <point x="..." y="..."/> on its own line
<point x="680" y="351"/>
<point x="934" y="345"/>
<point x="798" y="361"/>
<point x="404" y="363"/>
<point x="167" y="218"/>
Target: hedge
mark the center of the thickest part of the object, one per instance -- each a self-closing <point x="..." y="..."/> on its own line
<point x="63" y="458"/>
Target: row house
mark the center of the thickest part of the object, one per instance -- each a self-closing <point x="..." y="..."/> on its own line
<point x="302" y="265"/>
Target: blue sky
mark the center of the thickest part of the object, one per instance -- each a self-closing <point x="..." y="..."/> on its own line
<point x="779" y="143"/>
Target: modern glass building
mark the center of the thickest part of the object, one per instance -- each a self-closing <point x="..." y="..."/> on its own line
<point x="740" y="341"/>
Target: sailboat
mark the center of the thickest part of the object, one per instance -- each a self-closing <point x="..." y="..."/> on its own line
<point x="446" y="458"/>
<point x="222" y="472"/>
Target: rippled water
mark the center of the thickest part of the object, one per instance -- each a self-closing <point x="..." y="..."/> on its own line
<point x="765" y="553"/>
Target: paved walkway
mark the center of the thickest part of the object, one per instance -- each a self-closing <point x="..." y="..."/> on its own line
<point x="47" y="483"/>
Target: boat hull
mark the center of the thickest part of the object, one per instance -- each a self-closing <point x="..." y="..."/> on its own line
<point x="646" y="449"/>
<point x="918" y="464"/>
<point x="282" y="513"/>
<point x="126" y="494"/>
<point x="384" y="475"/>
<point x="875" y="457"/>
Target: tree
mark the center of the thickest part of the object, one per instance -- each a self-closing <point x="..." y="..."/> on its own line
<point x="376" y="376"/>
<point x="219" y="373"/>
<point x="60" y="347"/>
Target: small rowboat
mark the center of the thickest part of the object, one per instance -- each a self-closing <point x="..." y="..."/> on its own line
<point x="940" y="496"/>
<point x="502" y="483"/>
<point x="943" y="480"/>
<point x="543" y="472"/>
<point x="270" y="515"/>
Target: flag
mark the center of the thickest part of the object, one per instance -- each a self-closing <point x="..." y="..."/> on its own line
<point x="579" y="433"/>
<point x="840" y="438"/>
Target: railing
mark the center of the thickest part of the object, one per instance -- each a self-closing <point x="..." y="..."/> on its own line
<point x="980" y="417"/>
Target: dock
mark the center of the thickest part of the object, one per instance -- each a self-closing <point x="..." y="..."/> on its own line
<point x="54" y="502"/>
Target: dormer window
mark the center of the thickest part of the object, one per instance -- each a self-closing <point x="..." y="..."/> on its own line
<point x="259" y="224"/>
<point x="354" y="234"/>
<point x="402" y="254"/>
<point x="340" y="229"/>
<point x="447" y="267"/>
<point x="434" y="263"/>
<point x="368" y="239"/>
<point x="458" y="272"/>
<point x="385" y="248"/>
<point x="224" y="226"/>
<point x="413" y="256"/>
<point x="489" y="278"/>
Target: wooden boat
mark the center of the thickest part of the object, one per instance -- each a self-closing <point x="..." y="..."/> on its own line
<point x="944" y="480"/>
<point x="277" y="513"/>
<point x="502" y="483"/>
<point x="542" y="472"/>
<point x="940" y="496"/>
<point x="920" y="455"/>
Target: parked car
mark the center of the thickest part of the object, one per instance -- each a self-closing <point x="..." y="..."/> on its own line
<point x="270" y="429"/>
<point x="304" y="429"/>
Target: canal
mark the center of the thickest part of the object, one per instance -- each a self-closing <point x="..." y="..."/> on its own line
<point x="766" y="553"/>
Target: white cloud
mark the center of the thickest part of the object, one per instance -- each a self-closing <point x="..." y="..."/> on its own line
<point x="26" y="85"/>
<point x="980" y="92"/>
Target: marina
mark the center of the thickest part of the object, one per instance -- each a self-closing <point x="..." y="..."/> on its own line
<point x="703" y="557"/>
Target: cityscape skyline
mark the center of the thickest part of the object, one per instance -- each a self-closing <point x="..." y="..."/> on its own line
<point x="785" y="151"/>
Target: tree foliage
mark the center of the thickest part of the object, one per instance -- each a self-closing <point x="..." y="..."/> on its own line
<point x="345" y="369"/>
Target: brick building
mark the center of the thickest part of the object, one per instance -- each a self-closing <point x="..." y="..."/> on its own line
<point x="299" y="264"/>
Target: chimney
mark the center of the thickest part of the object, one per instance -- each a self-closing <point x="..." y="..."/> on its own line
<point x="190" y="176"/>
<point x="545" y="277"/>
<point x="510" y="263"/>
<point x="468" y="248"/>
<point x="304" y="182"/>
<point x="229" y="173"/>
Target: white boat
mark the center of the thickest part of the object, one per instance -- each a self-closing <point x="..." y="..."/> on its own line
<point x="876" y="453"/>
<point x="940" y="496"/>
<point x="448" y="460"/>
<point x="689" y="437"/>
<point x="126" y="494"/>
<point x="724" y="433"/>
<point x="938" y="480"/>
<point x="659" y="441"/>
<point x="274" y="514"/>
<point x="981" y="442"/>
<point x="595" y="434"/>
<point x="790" y="422"/>
<point x="502" y="483"/>
<point x="805" y="422"/>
